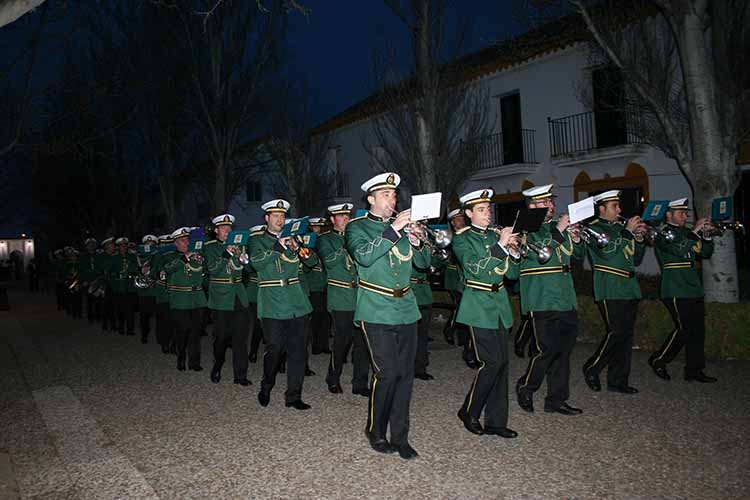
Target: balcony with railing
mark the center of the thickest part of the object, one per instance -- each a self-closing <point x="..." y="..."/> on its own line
<point x="594" y="130"/>
<point x="496" y="150"/>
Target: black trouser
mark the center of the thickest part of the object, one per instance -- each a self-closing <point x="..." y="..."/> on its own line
<point x="284" y="337"/>
<point x="345" y="336"/>
<point x="125" y="313"/>
<point x="555" y="333"/>
<point x="321" y="323"/>
<point x="231" y="326"/>
<point x="164" y="325"/>
<point x="688" y="315"/>
<point x="146" y="312"/>
<point x="109" y="321"/>
<point x="392" y="350"/>
<point x="616" y="349"/>
<point x="461" y="331"/>
<point x="187" y="334"/>
<point x="524" y="336"/>
<point x="33" y="283"/>
<point x="422" y="358"/>
<point x="256" y="330"/>
<point x="489" y="391"/>
<point x="76" y="303"/>
<point x="93" y="307"/>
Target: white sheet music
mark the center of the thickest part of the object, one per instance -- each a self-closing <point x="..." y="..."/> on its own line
<point x="581" y="210"/>
<point x="425" y="206"/>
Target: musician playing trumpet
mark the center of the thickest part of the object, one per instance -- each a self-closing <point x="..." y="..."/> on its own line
<point x="549" y="298"/>
<point x="484" y="257"/>
<point x="186" y="299"/>
<point x="616" y="292"/>
<point x="682" y="292"/>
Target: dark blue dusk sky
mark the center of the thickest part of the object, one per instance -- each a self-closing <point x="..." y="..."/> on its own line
<point x="332" y="49"/>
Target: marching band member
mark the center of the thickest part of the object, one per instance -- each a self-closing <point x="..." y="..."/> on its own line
<point x="256" y="331"/>
<point x="549" y="298"/>
<point x="123" y="268"/>
<point x="89" y="273"/>
<point x="316" y="283"/>
<point x="682" y="291"/>
<point x="186" y="299"/>
<point x="616" y="293"/>
<point x="72" y="281"/>
<point x="341" y="298"/>
<point x="484" y="258"/>
<point x="386" y="310"/>
<point x="227" y="299"/>
<point x="282" y="304"/>
<point x="103" y="266"/>
<point x="146" y="296"/>
<point x="420" y="285"/>
<point x="164" y="323"/>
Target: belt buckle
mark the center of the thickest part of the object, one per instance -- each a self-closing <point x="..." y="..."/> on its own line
<point x="398" y="293"/>
<point x="284" y="282"/>
<point x="496" y="287"/>
<point x="566" y="269"/>
<point x="354" y="284"/>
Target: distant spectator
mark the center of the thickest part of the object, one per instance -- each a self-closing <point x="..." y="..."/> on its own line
<point x="33" y="271"/>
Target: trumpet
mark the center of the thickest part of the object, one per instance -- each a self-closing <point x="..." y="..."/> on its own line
<point x="588" y="234"/>
<point x="74" y="283"/>
<point x="299" y="247"/>
<point x="439" y="239"/>
<point x="143" y="281"/>
<point x="97" y="287"/>
<point x="543" y="254"/>
<point x="719" y="228"/>
<point x="240" y="253"/>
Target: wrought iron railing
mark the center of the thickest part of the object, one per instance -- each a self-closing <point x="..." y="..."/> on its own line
<point x="494" y="150"/>
<point x="591" y="130"/>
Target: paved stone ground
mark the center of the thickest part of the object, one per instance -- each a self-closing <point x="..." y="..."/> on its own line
<point x="90" y="415"/>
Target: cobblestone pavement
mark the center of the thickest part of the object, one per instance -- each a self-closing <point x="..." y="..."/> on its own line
<point x="84" y="414"/>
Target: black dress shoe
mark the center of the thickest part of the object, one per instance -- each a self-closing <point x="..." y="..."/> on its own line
<point x="622" y="389"/>
<point x="181" y="364"/>
<point x="503" y="432"/>
<point x="165" y="349"/>
<point x="361" y="392"/>
<point x="525" y="401"/>
<point x="406" y="451"/>
<point x="659" y="369"/>
<point x="563" y="409"/>
<point x="309" y="372"/>
<point x="216" y="375"/>
<point x="197" y="368"/>
<point x="592" y="380"/>
<point x="474" y="365"/>
<point x="298" y="405"/>
<point x="282" y="368"/>
<point x="253" y="357"/>
<point x="381" y="445"/>
<point x="243" y="382"/>
<point x="700" y="377"/>
<point x="424" y="376"/>
<point x="264" y="398"/>
<point x="448" y="336"/>
<point x="470" y="423"/>
<point x="335" y="389"/>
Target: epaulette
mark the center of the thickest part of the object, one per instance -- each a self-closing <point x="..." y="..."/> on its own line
<point x="326" y="232"/>
<point x="257" y="233"/>
<point x="595" y="221"/>
<point x="210" y="242"/>
<point x="358" y="218"/>
<point x="463" y="229"/>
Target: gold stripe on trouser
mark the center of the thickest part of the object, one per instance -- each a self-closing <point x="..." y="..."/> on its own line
<point x="674" y="333"/>
<point x="609" y="334"/>
<point x="519" y="335"/>
<point x="538" y="350"/>
<point x="476" y="377"/>
<point x="375" y="371"/>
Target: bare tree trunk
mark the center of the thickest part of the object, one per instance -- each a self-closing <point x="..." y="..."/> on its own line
<point x="10" y="10"/>
<point x="426" y="110"/>
<point x="713" y="169"/>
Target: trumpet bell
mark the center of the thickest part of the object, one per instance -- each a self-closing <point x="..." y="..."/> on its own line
<point x="142" y="282"/>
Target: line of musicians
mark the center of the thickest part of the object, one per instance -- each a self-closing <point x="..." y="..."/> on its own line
<point x="369" y="276"/>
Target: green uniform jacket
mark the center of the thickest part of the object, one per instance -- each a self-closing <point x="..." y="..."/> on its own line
<point x="454" y="275"/>
<point x="340" y="270"/>
<point x="315" y="276"/>
<point x="101" y="264"/>
<point x="251" y="284"/>
<point x="420" y="282"/>
<point x="549" y="286"/>
<point x="225" y="277"/>
<point x="185" y="283"/>
<point x="679" y="276"/>
<point x="87" y="267"/>
<point x="122" y="270"/>
<point x="384" y="262"/>
<point x="157" y="272"/>
<point x="484" y="303"/>
<point x="614" y="265"/>
<point x="280" y="293"/>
